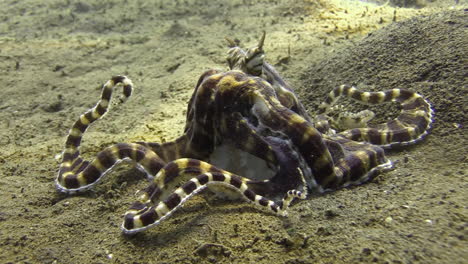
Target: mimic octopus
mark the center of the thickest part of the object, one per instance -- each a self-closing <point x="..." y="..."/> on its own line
<point x="247" y="131"/>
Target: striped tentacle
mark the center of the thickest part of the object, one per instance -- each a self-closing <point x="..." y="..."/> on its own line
<point x="411" y="126"/>
<point x="72" y="163"/>
<point x="141" y="216"/>
<point x="171" y="175"/>
<point x="172" y="150"/>
<point x="309" y="141"/>
<point x="360" y="163"/>
<point x="90" y="173"/>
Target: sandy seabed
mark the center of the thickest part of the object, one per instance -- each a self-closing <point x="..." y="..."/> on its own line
<point x="55" y="55"/>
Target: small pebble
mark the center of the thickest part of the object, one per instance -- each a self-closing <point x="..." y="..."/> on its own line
<point x="388" y="220"/>
<point x="428" y="221"/>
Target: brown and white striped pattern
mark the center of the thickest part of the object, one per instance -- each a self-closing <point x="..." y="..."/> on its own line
<point x="76" y="174"/>
<point x="411" y="126"/>
<point x="252" y="108"/>
<point x="143" y="215"/>
<point x="159" y="200"/>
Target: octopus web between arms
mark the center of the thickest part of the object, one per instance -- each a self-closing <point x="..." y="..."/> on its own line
<point x="246" y="130"/>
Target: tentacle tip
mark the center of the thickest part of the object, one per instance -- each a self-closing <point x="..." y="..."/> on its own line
<point x="128" y="232"/>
